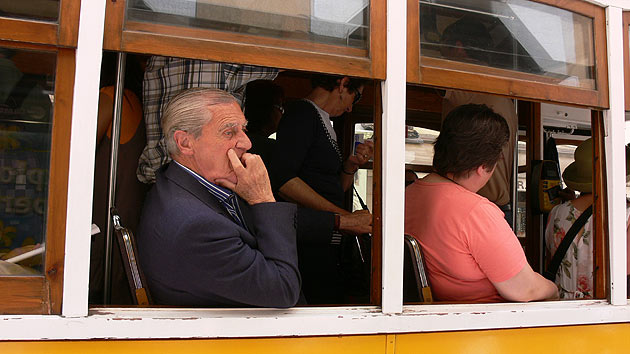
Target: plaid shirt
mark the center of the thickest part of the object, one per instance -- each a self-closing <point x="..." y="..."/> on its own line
<point x="166" y="77"/>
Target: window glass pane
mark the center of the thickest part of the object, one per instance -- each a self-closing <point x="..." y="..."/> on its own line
<point x="363" y="179"/>
<point x="26" y="108"/>
<point x="343" y="23"/>
<point x="516" y="35"/>
<point x="419" y="145"/>
<point x="44" y="10"/>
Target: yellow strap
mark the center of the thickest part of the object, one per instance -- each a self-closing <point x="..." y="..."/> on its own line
<point x="141" y="297"/>
<point x="426" y="294"/>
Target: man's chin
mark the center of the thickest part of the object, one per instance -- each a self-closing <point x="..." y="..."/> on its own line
<point x="230" y="178"/>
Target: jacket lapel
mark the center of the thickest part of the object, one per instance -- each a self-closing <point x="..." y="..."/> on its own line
<point x="179" y="176"/>
<point x="183" y="179"/>
<point x="247" y="215"/>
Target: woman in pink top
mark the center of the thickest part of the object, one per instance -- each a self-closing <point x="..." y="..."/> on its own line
<point x="471" y="254"/>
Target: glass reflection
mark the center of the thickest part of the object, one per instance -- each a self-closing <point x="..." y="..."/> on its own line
<point x="511" y="34"/>
<point x="43" y="10"/>
<point x="26" y="107"/>
<point x="344" y="23"/>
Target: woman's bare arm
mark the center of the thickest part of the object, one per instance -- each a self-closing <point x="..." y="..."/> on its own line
<point x="527" y="285"/>
<point x="297" y="191"/>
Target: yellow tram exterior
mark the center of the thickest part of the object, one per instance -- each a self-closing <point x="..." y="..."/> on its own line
<point x="50" y="313"/>
<point x="608" y="338"/>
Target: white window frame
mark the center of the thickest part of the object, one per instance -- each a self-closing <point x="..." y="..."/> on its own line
<point x="135" y="323"/>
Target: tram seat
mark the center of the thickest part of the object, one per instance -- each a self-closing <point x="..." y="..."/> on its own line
<point x="415" y="281"/>
<point x="129" y="251"/>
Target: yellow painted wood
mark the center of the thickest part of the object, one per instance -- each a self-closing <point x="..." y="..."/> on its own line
<point x="307" y="345"/>
<point x="614" y="338"/>
<point x="391" y="344"/>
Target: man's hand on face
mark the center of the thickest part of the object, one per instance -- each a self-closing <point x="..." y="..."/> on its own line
<point x="252" y="179"/>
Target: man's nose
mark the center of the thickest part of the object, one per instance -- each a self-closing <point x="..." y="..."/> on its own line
<point x="243" y="141"/>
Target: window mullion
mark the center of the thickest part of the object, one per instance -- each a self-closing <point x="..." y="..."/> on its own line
<point x="393" y="144"/>
<point x="614" y="150"/>
<point x="82" y="147"/>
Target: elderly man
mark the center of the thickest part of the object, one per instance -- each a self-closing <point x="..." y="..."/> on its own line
<point x="211" y="233"/>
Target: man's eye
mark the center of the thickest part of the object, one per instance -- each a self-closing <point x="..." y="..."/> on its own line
<point x="228" y="133"/>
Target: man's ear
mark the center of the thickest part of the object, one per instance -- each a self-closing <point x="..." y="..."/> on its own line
<point x="343" y="83"/>
<point x="184" y="141"/>
<point x="485" y="169"/>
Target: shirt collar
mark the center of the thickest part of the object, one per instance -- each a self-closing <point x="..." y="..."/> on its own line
<point x="325" y="118"/>
<point x="221" y="193"/>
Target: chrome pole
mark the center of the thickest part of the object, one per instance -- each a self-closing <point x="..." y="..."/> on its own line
<point x="113" y="168"/>
<point x="514" y="198"/>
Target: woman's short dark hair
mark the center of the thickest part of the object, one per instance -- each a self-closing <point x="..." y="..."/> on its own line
<point x="329" y="82"/>
<point x="260" y="98"/>
<point x="472" y="135"/>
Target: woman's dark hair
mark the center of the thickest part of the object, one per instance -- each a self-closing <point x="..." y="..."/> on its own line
<point x="260" y="98"/>
<point x="472" y="135"/>
<point x="329" y="82"/>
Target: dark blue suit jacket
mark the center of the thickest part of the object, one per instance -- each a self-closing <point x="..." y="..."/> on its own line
<point x="194" y="254"/>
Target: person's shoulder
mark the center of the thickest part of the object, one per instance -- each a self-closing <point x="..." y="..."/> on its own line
<point x="481" y="209"/>
<point x="299" y="106"/>
<point x="301" y="111"/>
<point x="562" y="206"/>
<point x="170" y="203"/>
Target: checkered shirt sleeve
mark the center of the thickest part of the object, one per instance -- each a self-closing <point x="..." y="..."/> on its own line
<point x="165" y="77"/>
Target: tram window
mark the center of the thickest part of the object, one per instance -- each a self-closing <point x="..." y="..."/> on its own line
<point x="321" y="21"/>
<point x="26" y="106"/>
<point x="356" y="269"/>
<point x="509" y="35"/>
<point x="418" y="151"/>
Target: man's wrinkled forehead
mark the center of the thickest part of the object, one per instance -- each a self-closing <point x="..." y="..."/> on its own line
<point x="226" y="115"/>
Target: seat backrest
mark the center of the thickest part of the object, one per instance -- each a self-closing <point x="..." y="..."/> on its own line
<point x="128" y="249"/>
<point x="415" y="281"/>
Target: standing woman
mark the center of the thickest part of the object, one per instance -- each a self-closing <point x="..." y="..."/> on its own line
<point x="309" y="170"/>
<point x="574" y="277"/>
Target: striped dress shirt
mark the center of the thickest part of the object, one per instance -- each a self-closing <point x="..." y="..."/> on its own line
<point x="226" y="197"/>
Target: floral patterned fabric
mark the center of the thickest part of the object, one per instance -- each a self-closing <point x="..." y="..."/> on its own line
<point x="575" y="274"/>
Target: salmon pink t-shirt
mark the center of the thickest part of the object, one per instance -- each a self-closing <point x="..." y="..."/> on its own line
<point x="467" y="243"/>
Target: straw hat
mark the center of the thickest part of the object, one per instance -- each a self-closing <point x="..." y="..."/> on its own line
<point x="578" y="175"/>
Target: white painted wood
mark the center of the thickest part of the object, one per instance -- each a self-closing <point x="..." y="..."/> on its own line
<point x="200" y="323"/>
<point x="622" y="4"/>
<point x="615" y="157"/>
<point x="394" y="103"/>
<point x="82" y="147"/>
<point x="233" y="323"/>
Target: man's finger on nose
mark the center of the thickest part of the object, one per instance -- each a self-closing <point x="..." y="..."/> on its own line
<point x="248" y="158"/>
<point x="234" y="160"/>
